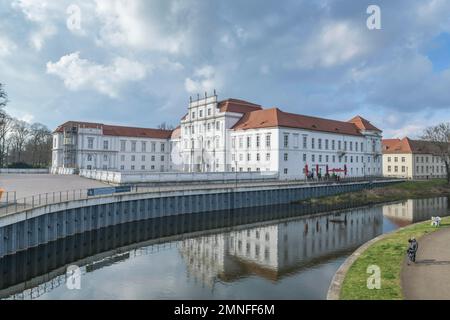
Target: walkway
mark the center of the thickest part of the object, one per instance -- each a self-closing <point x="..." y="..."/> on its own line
<point x="429" y="277"/>
<point x="30" y="184"/>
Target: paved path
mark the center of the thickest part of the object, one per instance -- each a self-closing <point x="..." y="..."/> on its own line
<point x="429" y="278"/>
<point x="30" y="184"/>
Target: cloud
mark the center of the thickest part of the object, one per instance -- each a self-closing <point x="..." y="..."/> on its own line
<point x="6" y="46"/>
<point x="205" y="79"/>
<point x="336" y="43"/>
<point x="81" y="74"/>
<point x="141" y="25"/>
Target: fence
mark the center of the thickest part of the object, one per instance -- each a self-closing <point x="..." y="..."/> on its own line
<point x="13" y="205"/>
<point x="166" y="177"/>
<point x="23" y="171"/>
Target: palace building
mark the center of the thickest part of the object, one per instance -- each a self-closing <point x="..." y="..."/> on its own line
<point x="226" y="136"/>
<point x="412" y="159"/>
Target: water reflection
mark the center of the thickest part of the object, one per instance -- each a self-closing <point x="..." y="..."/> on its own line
<point x="415" y="210"/>
<point x="278" y="250"/>
<point x="244" y="253"/>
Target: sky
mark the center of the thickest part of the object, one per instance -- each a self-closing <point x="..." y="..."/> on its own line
<point x="137" y="62"/>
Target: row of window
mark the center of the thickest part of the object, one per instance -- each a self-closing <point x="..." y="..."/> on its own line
<point x="143" y="167"/>
<point x="133" y="145"/>
<point x="319" y="143"/>
<point x="321" y="158"/>
<point x="419" y="169"/>
<point x="200" y="128"/>
<point x="143" y="158"/>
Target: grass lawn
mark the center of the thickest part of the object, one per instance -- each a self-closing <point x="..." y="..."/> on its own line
<point x="399" y="191"/>
<point x="388" y="254"/>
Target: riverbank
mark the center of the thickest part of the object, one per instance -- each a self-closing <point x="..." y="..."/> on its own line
<point x="388" y="253"/>
<point x="395" y="192"/>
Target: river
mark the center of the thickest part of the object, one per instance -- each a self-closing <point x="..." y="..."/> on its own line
<point x="278" y="252"/>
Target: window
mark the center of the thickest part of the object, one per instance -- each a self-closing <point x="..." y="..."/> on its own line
<point x="105" y="167"/>
<point x="163" y="147"/>
<point x="241" y="157"/>
<point x="333" y="145"/>
<point x="122" y="167"/>
<point x="209" y="113"/>
<point x="267" y="156"/>
<point x="339" y="145"/>
<point x="153" y="158"/>
<point x="133" y="158"/>
<point x="89" y="157"/>
<point x="123" y="145"/>
<point x="90" y="143"/>
<point x="249" y="157"/>
<point x="217" y="125"/>
<point x="305" y="142"/>
<point x="326" y="144"/>
<point x="320" y="158"/>
<point x="241" y="142"/>
<point x="313" y="158"/>
<point x="312" y="143"/>
<point x="268" y="141"/>
<point x="233" y="142"/>
<point x="162" y="158"/>
<point x="389" y="159"/>
<point x="133" y="146"/>
<point x="351" y="145"/>
<point x="143" y="158"/>
<point x="153" y="146"/>
<point x="296" y="141"/>
<point x="200" y="113"/>
<point x="345" y="145"/>
<point x="285" y="171"/>
<point x="258" y="141"/>
<point x="105" y="145"/>
<point x="403" y="159"/>
<point x="286" y="141"/>
<point x="319" y="141"/>
<point x="105" y="157"/>
<point x="249" y="142"/>
<point x="193" y="115"/>
<point x="304" y="157"/>
<point x="132" y="167"/>
<point x="144" y="146"/>
<point x="258" y="157"/>
<point x="285" y="157"/>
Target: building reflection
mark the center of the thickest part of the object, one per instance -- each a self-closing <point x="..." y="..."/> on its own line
<point x="416" y="210"/>
<point x="279" y="249"/>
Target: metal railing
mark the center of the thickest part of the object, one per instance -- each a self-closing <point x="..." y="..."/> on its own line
<point x="13" y="205"/>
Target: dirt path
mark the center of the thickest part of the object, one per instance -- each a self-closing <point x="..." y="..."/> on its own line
<point x="429" y="277"/>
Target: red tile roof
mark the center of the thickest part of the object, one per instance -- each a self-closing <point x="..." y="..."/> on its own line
<point x="363" y="124"/>
<point x="407" y="145"/>
<point x="238" y="106"/>
<point x="274" y="117"/>
<point x="112" y="130"/>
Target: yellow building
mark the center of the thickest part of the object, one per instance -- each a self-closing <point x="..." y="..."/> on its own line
<point x="411" y="159"/>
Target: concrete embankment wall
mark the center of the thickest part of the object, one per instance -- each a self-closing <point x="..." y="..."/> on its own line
<point x="44" y="224"/>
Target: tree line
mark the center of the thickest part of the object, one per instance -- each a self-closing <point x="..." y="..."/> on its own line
<point x="22" y="145"/>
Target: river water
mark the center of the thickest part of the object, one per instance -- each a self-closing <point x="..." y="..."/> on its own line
<point x="278" y="252"/>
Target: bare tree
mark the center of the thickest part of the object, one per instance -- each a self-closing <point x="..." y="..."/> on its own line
<point x="3" y="97"/>
<point x="5" y="125"/>
<point x="18" y="138"/>
<point x="440" y="136"/>
<point x="39" y="145"/>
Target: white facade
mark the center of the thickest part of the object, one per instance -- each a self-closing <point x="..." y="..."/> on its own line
<point x="89" y="148"/>
<point x="207" y="140"/>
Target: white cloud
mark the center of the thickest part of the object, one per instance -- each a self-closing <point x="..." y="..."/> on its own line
<point x="6" y="46"/>
<point x="205" y="79"/>
<point x="131" y="23"/>
<point x="337" y="43"/>
<point x="42" y="13"/>
<point x="80" y="73"/>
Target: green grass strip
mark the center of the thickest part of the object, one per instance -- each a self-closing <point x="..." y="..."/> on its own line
<point x="388" y="254"/>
